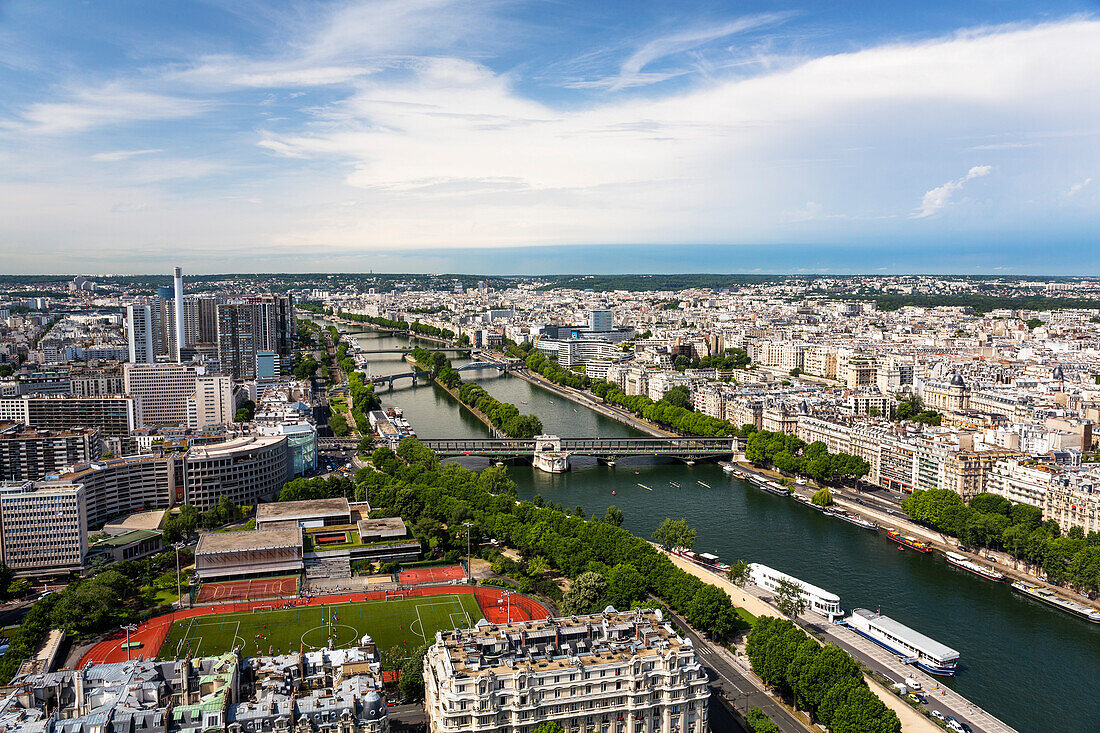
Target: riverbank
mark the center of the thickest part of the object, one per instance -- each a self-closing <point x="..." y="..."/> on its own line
<point x="496" y="433"/>
<point x="911" y="720"/>
<point x="938" y="540"/>
<point x="582" y="398"/>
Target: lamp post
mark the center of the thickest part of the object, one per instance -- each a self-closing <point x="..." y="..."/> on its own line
<point x="129" y="628"/>
<point x="179" y="585"/>
<point x="469" y="573"/>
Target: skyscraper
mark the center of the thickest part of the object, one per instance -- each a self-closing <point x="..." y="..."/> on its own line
<point x="178" y="273"/>
<point x="139" y="333"/>
<point x="237" y="339"/>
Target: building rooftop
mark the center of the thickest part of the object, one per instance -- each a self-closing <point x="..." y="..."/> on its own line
<point x="559" y="643"/>
<point x="288" y="510"/>
<point x="257" y="539"/>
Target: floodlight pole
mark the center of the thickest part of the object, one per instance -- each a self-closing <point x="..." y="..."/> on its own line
<point x="129" y="628"/>
<point x="469" y="571"/>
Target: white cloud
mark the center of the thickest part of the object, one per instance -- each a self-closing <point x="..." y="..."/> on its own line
<point x="1076" y="188"/>
<point x="101" y="106"/>
<point x="112" y="156"/>
<point x="940" y="196"/>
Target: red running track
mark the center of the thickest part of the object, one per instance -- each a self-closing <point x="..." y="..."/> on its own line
<point x="152" y="633"/>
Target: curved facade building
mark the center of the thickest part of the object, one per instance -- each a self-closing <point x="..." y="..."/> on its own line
<point x="245" y="470"/>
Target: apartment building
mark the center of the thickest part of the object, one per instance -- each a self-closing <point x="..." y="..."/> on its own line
<point x="212" y="402"/>
<point x="618" y="672"/>
<point x="43" y="527"/>
<point x="115" y="416"/>
<point x="28" y="454"/>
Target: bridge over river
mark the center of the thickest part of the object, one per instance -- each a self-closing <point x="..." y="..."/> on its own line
<point x="551" y="453"/>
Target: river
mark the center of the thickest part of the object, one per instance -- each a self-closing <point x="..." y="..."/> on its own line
<point x="1034" y="667"/>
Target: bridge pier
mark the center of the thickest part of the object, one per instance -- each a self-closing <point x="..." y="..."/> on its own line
<point x="549" y="456"/>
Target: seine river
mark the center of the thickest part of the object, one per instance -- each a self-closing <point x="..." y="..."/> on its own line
<point x="1036" y="668"/>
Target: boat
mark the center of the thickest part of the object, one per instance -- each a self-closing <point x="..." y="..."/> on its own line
<point x="703" y="484"/>
<point x="770" y="486"/>
<point x="645" y="487"/>
<point x="1052" y="599"/>
<point x="820" y="601"/>
<point x="673" y="483"/>
<point x="911" y="646"/>
<point x="911" y="542"/>
<point x="704" y="559"/>
<point x="961" y="561"/>
<point x="728" y="467"/>
<point x="613" y="493"/>
<point x="807" y="501"/>
<point x="854" y="519"/>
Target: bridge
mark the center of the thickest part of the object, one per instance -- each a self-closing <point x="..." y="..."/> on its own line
<point x="389" y="378"/>
<point x="448" y="349"/>
<point x="551" y="453"/>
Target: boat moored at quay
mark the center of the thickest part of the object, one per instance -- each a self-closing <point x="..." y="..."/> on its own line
<point x="964" y="563"/>
<point x="820" y="601"/>
<point x="1052" y="599"/>
<point x="911" y="542"/>
<point x="911" y="646"/>
<point x="703" y="559"/>
<point x="852" y="518"/>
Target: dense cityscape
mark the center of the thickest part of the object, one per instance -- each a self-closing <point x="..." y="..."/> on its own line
<point x="215" y="514"/>
<point x="498" y="366"/>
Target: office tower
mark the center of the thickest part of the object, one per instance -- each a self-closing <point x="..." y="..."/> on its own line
<point x="600" y="321"/>
<point x="164" y="391"/>
<point x="178" y="273"/>
<point x="267" y="365"/>
<point x="139" y="333"/>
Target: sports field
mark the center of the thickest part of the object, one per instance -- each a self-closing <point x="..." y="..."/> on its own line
<point x="399" y="623"/>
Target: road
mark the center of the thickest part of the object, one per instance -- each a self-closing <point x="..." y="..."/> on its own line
<point x="735" y="683"/>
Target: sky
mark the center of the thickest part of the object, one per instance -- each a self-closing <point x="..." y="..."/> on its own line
<point x="550" y="136"/>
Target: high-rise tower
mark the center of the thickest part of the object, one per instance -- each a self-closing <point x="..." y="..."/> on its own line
<point x="178" y="273"/>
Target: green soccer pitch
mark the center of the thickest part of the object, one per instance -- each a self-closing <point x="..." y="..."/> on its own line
<point x="398" y="624"/>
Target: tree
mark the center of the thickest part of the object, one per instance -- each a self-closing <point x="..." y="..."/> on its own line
<point x="790" y="598"/>
<point x="739" y="573"/>
<point x="495" y="480"/>
<point x="6" y="577"/>
<point x="760" y="722"/>
<point x="549" y="727"/>
<point x="675" y="533"/>
<point x="19" y="588"/>
<point x="584" y="595"/>
<point x="613" y="516"/>
<point x="411" y="681"/>
<point x="678" y="396"/>
<point x="339" y="425"/>
<point x="710" y="608"/>
<point x="822" y="497"/>
<point x="625" y="586"/>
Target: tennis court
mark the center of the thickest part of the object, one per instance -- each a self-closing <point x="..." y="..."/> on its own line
<point x="437" y="574"/>
<point x="398" y="623"/>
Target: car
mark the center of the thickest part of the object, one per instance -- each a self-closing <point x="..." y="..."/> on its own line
<point x="913" y="698"/>
<point x="936" y="714"/>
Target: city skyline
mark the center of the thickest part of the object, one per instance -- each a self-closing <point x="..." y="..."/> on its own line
<point x="420" y="136"/>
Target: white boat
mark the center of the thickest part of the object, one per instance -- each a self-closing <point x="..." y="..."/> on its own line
<point x="1052" y="599"/>
<point x="961" y="561"/>
<point x="911" y="646"/>
<point x="820" y="601"/>
<point x="854" y="519"/>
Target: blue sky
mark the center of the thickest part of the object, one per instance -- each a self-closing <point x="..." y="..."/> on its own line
<point x="518" y="136"/>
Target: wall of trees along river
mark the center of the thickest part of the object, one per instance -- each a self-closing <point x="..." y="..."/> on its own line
<point x="1034" y="667"/>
